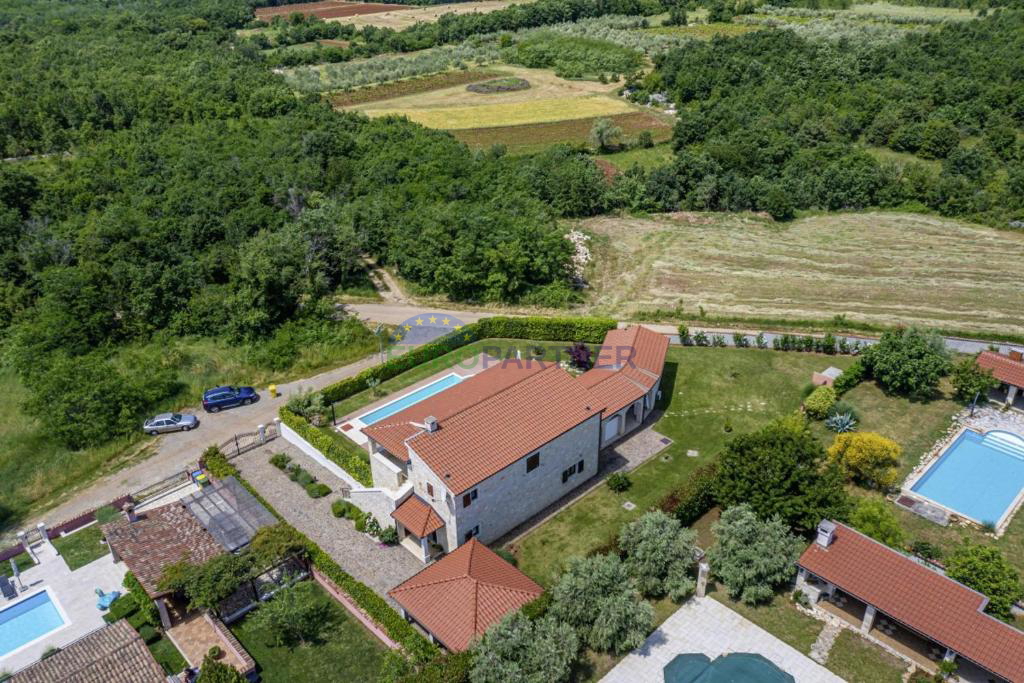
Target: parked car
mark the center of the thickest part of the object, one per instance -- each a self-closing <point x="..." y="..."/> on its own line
<point x="169" y="422"/>
<point x="228" y="397"/>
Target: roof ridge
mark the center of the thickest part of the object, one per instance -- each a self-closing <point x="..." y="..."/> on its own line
<point x="503" y="586"/>
<point x="432" y="582"/>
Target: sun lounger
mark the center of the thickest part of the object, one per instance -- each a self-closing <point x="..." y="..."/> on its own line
<point x="9" y="591"/>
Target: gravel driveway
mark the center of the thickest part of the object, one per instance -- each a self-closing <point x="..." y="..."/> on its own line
<point x="381" y="568"/>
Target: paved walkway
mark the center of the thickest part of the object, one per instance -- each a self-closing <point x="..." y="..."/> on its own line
<point x="703" y="625"/>
<point x="381" y="568"/>
<point x="175" y="451"/>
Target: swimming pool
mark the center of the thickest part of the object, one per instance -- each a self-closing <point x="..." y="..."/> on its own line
<point x="979" y="476"/>
<point x="23" y="622"/>
<point x="410" y="399"/>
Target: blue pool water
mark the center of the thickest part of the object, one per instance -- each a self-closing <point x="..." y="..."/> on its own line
<point x="410" y="399"/>
<point x="27" y="620"/>
<point x="978" y="476"/>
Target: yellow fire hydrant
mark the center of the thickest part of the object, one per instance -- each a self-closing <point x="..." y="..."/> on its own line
<point x="273" y="390"/>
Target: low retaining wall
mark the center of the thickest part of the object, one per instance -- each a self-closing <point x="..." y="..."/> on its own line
<point x="349" y="604"/>
<point x="293" y="437"/>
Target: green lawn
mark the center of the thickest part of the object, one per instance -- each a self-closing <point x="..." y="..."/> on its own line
<point x="81" y="547"/>
<point x="648" y="158"/>
<point x="705" y="391"/>
<point x="22" y="560"/>
<point x="859" y="661"/>
<point x="346" y="652"/>
<point x="167" y="656"/>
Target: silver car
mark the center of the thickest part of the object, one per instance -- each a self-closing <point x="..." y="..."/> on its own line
<point x="169" y="422"/>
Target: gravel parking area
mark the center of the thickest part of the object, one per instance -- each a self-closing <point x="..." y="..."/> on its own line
<point x="381" y="568"/>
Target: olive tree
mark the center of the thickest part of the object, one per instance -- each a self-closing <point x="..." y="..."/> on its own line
<point x="659" y="552"/>
<point x="520" y="650"/>
<point x="752" y="557"/>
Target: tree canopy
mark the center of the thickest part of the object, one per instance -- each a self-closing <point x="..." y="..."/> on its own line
<point x="751" y="556"/>
<point x="520" y="650"/>
<point x="908" y="361"/>
<point x="984" y="569"/>
<point x="659" y="553"/>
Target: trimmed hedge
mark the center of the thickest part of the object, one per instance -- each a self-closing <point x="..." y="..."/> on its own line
<point x="695" y="497"/>
<point x="850" y="377"/>
<point x="397" y="628"/>
<point x="350" y="461"/>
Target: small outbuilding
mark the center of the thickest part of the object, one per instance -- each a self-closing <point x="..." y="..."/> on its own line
<point x="1009" y="370"/>
<point x="826" y="377"/>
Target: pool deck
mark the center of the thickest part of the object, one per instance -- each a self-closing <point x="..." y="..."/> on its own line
<point x="986" y="419"/>
<point x="706" y="626"/>
<point x="351" y="426"/>
<point x="74" y="593"/>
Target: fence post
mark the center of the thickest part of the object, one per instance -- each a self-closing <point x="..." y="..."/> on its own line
<point x="262" y="430"/>
<point x="238" y="451"/>
<point x="334" y="419"/>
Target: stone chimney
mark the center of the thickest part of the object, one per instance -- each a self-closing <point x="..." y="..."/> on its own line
<point x="431" y="424"/>
<point x="129" y="513"/>
<point x="1017" y="356"/>
<point x="826" y="533"/>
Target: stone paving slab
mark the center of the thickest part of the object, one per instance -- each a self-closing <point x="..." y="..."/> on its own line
<point x="703" y="625"/>
<point x="380" y="568"/>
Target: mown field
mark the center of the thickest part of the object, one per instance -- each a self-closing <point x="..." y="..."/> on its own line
<point x="876" y="267"/>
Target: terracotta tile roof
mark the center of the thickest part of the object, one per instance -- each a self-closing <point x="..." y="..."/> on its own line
<point x="112" y="654"/>
<point x="628" y="365"/>
<point x="461" y="595"/>
<point x="160" y="537"/>
<point x="1003" y="368"/>
<point x="489" y="421"/>
<point x="926" y="601"/>
<point x="417" y="516"/>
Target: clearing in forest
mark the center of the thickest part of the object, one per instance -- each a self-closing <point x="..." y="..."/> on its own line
<point x="412" y="14"/>
<point x="534" y="137"/>
<point x="549" y="98"/>
<point x="330" y="9"/>
<point x="876" y="267"/>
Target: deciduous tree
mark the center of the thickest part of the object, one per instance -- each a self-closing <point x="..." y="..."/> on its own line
<point x="520" y="650"/>
<point x="659" y="554"/>
<point x="984" y="569"/>
<point x="751" y="556"/>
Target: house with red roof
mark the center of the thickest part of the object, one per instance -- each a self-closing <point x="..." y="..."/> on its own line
<point x="1009" y="370"/>
<point x="485" y="455"/>
<point x="908" y="607"/>
<point x="456" y="599"/>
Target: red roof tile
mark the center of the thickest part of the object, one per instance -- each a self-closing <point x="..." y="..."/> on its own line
<point x="417" y="516"/>
<point x="160" y="537"/>
<point x="1003" y="368"/>
<point x="488" y="421"/>
<point x="629" y="364"/>
<point x="922" y="599"/>
<point x="461" y="595"/>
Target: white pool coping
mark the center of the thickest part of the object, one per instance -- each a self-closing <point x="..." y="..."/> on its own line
<point x="60" y="610"/>
<point x="356" y="433"/>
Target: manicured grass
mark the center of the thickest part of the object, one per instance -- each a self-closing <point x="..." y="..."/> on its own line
<point x="704" y="391"/>
<point x="167" y="656"/>
<point x="22" y="560"/>
<point x="81" y="547"/>
<point x="780" y="617"/>
<point x="858" y="661"/>
<point x="345" y="652"/>
<point x="857" y="265"/>
<point x="535" y="137"/>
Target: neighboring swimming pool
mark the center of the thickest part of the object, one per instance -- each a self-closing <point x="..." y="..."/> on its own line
<point x="28" y="620"/>
<point x="410" y="399"/>
<point x="978" y="476"/>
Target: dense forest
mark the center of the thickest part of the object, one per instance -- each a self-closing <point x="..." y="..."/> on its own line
<point x="773" y="121"/>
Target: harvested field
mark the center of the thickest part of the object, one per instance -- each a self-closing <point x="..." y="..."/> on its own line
<point x="883" y="268"/>
<point x="330" y="9"/>
<point x="413" y="14"/>
<point x="410" y="86"/>
<point x="535" y="137"/>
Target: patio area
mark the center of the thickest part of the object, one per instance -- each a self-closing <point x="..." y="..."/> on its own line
<point x="705" y="626"/>
<point x="198" y="632"/>
<point x="73" y="592"/>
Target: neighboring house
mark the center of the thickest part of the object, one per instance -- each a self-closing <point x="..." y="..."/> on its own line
<point x="1009" y="370"/>
<point x="480" y="458"/>
<point x="457" y="598"/>
<point x="112" y="654"/>
<point x="908" y="607"/>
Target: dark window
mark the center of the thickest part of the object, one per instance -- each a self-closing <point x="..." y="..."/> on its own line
<point x="468" y="499"/>
<point x="533" y="462"/>
<point x="579" y="466"/>
<point x="430" y="490"/>
<point x="565" y="476"/>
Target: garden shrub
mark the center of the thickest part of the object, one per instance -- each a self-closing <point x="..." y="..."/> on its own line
<point x="215" y="652"/>
<point x="360" y="523"/>
<point x="909" y="362"/>
<point x="388" y="535"/>
<point x="148" y="634"/>
<point x="318" y="490"/>
<point x="353" y="461"/>
<point x="506" y="554"/>
<point x="927" y="550"/>
<point x="538" y="607"/>
<point x="844" y="408"/>
<point x="619" y="482"/>
<point x="820" y="402"/>
<point x="850" y="377"/>
<point x="841" y="423"/>
<point x="216" y="463"/>
<point x="340" y="508"/>
<point x="868" y="458"/>
<point x="280" y="460"/>
<point x="372" y="525"/>
<point x="695" y="497"/>
<point x="142" y="602"/>
<point x="303" y="478"/>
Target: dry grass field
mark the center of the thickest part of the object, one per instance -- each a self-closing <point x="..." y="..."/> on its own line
<point x="407" y="17"/>
<point x="535" y="137"/>
<point x="877" y="267"/>
<point x="548" y="99"/>
<point x="330" y="9"/>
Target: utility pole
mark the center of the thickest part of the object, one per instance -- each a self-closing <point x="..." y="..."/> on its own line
<point x="380" y="341"/>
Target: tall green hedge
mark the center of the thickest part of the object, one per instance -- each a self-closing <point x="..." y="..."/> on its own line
<point x="397" y="628"/>
<point x="352" y="461"/>
<point x="695" y="497"/>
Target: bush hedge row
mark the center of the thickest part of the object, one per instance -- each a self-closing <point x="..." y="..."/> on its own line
<point x="397" y="628"/>
<point x="695" y="497"/>
<point x="350" y="461"/>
